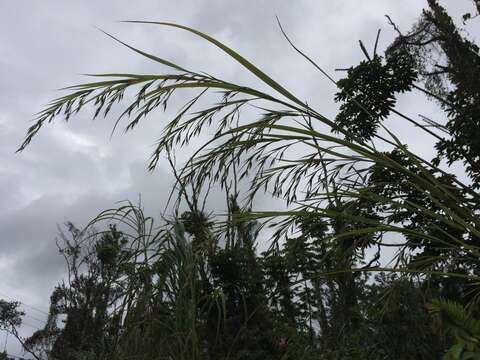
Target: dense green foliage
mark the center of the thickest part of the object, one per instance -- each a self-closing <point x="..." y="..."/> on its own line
<point x="229" y="302"/>
<point x="198" y="288"/>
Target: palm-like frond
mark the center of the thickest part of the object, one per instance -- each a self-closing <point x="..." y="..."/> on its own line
<point x="457" y="319"/>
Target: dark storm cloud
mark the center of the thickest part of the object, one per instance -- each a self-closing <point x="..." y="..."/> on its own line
<point x="70" y="172"/>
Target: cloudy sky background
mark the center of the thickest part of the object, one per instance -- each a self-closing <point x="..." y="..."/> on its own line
<point x="72" y="171"/>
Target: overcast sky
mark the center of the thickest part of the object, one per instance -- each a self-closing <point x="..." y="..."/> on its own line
<point x="72" y="171"/>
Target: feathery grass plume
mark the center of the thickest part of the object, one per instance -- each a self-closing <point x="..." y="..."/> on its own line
<point x="337" y="166"/>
